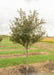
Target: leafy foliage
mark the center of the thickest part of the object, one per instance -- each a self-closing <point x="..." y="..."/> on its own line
<point x="27" y="29"/>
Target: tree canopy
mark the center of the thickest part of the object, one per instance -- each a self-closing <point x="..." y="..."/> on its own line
<point x="27" y="29"/>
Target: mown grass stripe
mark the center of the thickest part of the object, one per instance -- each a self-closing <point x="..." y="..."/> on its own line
<point x="20" y="51"/>
<point x="22" y="60"/>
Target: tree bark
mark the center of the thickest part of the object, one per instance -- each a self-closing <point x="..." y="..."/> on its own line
<point x="27" y="67"/>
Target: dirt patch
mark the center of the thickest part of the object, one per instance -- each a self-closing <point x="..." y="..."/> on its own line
<point x="47" y="46"/>
<point x="12" y="55"/>
<point x="23" y="55"/>
<point x="39" y="53"/>
<point x="44" y="67"/>
<point x="12" y="49"/>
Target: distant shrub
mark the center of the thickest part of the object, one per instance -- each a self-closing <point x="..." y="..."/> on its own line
<point x="5" y="36"/>
<point x="0" y="38"/>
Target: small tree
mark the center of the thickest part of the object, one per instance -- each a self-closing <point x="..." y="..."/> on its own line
<point x="27" y="29"/>
<point x="0" y="39"/>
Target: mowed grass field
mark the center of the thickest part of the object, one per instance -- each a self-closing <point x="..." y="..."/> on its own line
<point x="38" y="52"/>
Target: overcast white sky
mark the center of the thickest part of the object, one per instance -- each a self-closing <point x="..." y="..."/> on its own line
<point x="8" y="10"/>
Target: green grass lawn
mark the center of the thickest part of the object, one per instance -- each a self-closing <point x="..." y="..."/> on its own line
<point x="2" y="52"/>
<point x="7" y="44"/>
<point x="22" y="60"/>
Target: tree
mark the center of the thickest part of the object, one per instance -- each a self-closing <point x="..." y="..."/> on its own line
<point x="0" y="38"/>
<point x="46" y="35"/>
<point x="27" y="29"/>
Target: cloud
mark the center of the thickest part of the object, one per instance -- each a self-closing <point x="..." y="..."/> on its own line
<point x="4" y="29"/>
<point x="29" y="1"/>
<point x="32" y="0"/>
<point x="8" y="10"/>
<point x="5" y="16"/>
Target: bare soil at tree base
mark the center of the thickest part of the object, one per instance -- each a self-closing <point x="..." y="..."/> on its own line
<point x="44" y="67"/>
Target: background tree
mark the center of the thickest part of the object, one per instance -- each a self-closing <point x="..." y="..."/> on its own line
<point x="0" y="39"/>
<point x="46" y="35"/>
<point x="27" y="29"/>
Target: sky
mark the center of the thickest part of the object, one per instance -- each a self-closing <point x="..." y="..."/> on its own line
<point x="8" y="10"/>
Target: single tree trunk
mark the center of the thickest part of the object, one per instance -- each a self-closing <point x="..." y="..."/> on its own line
<point x="27" y="67"/>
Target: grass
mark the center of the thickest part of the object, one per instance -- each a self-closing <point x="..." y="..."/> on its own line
<point x="19" y="51"/>
<point x="12" y="52"/>
<point x="7" y="44"/>
<point x="22" y="51"/>
<point x="22" y="60"/>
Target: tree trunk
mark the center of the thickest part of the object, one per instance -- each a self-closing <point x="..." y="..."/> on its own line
<point x="27" y="67"/>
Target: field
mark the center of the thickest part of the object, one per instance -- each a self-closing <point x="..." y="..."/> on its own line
<point x="48" y="39"/>
<point x="12" y="54"/>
